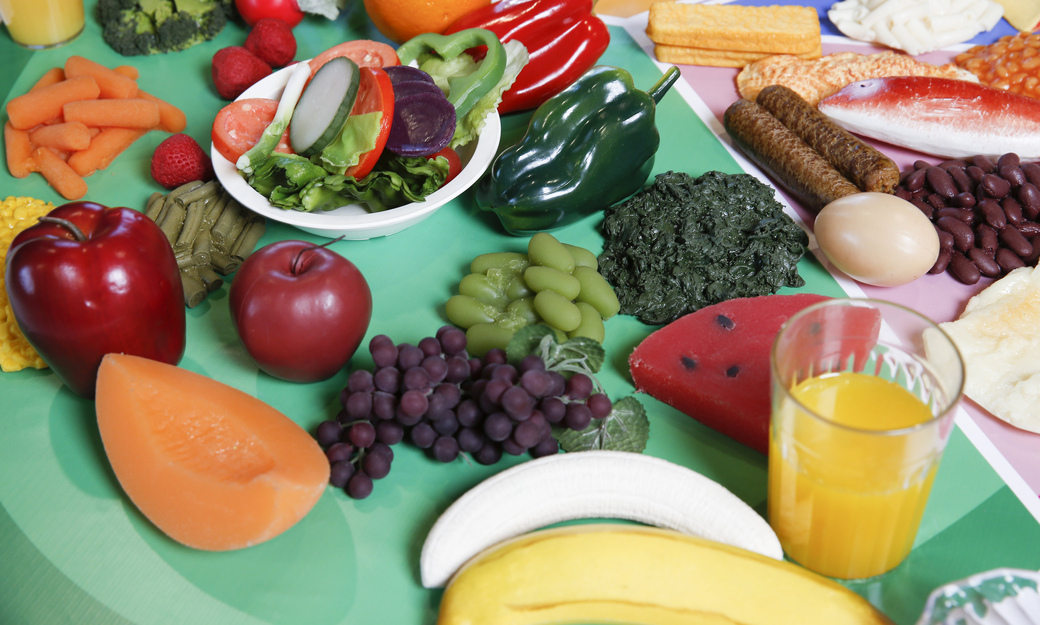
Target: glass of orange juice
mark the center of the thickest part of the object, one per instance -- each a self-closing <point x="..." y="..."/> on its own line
<point x="39" y="24"/>
<point x="863" y="394"/>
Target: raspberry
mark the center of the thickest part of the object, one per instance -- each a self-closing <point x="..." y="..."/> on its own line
<point x="272" y="40"/>
<point x="179" y="159"/>
<point x="235" y="69"/>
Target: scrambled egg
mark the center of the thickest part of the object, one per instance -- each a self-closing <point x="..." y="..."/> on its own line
<point x="16" y="214"/>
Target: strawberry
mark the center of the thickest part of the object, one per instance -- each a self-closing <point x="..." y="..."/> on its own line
<point x="272" y="40"/>
<point x="235" y="69"/>
<point x="179" y="159"/>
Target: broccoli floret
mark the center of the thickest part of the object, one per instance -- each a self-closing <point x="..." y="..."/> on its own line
<point x="140" y="27"/>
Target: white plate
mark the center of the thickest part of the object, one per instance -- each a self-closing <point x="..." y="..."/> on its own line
<point x="998" y="597"/>
<point x="354" y="221"/>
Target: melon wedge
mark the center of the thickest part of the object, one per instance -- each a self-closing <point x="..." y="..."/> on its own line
<point x="212" y="467"/>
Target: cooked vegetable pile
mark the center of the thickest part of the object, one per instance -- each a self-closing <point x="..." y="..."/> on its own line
<point x="142" y="27"/>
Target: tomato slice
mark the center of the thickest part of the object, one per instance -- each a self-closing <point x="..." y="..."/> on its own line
<point x="239" y="125"/>
<point x="364" y="52"/>
<point x="375" y="93"/>
<point x="454" y="163"/>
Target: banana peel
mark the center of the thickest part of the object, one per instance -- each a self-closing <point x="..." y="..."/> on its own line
<point x="613" y="573"/>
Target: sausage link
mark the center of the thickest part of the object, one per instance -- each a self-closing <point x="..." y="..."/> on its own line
<point x="784" y="156"/>
<point x="866" y="167"/>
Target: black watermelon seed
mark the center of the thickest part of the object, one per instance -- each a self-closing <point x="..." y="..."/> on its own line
<point x="724" y="322"/>
<point x="688" y="363"/>
<point x="733" y="371"/>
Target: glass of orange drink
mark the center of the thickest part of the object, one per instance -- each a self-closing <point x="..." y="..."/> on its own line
<point x="39" y="24"/>
<point x="863" y="397"/>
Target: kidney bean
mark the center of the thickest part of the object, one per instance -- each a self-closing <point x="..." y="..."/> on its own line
<point x="945" y="239"/>
<point x="1029" y="198"/>
<point x="963" y="236"/>
<point x="915" y="181"/>
<point x="975" y="172"/>
<point x="941" y="182"/>
<point x="1029" y="229"/>
<point x="1008" y="260"/>
<point x="1008" y="159"/>
<point x="1014" y="240"/>
<point x="964" y="200"/>
<point x="903" y="193"/>
<point x="964" y="214"/>
<point x="936" y="200"/>
<point x="995" y="186"/>
<point x="921" y="164"/>
<point x="982" y="162"/>
<point x="985" y="262"/>
<point x="953" y="162"/>
<point x="986" y="238"/>
<point x="1031" y="259"/>
<point x="926" y="208"/>
<point x="1032" y="172"/>
<point x="963" y="270"/>
<point x="1014" y="175"/>
<point x="1012" y="210"/>
<point x="993" y="213"/>
<point x="961" y="179"/>
<point x="942" y="262"/>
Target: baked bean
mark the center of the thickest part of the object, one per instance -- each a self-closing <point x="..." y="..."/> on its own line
<point x="963" y="270"/>
<point x="986" y="238"/>
<point x="941" y="182"/>
<point x="1014" y="240"/>
<point x="1008" y="159"/>
<point x="962" y="179"/>
<point x="993" y="213"/>
<point x="964" y="200"/>
<point x="963" y="237"/>
<point x="995" y="186"/>
<point x="1032" y="172"/>
<point x="942" y="261"/>
<point x="915" y="181"/>
<point x="1012" y="210"/>
<point x="982" y="162"/>
<point x="985" y="262"/>
<point x="1008" y="260"/>
<point x="1013" y="174"/>
<point x="1029" y="198"/>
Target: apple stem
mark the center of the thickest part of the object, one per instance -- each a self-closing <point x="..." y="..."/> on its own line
<point x="65" y="223"/>
<point x="299" y="256"/>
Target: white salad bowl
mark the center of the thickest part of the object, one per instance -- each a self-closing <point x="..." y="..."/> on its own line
<point x="354" y="221"/>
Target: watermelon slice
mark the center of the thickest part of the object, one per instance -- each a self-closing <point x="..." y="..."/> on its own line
<point x="713" y="364"/>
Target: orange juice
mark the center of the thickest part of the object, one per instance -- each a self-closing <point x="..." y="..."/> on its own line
<point x="42" y="23"/>
<point x="847" y="491"/>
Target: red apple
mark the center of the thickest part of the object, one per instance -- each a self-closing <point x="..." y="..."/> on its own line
<point x="300" y="309"/>
<point x="90" y="280"/>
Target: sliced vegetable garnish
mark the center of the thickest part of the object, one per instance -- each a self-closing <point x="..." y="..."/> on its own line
<point x="405" y="73"/>
<point x="273" y="133"/>
<point x="424" y="124"/>
<point x="376" y="95"/>
<point x="324" y="106"/>
<point x="238" y="126"/>
<point x="364" y="52"/>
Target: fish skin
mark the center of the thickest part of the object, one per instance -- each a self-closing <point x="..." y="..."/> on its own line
<point x="938" y="116"/>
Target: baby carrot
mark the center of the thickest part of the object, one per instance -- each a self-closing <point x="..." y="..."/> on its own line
<point x="127" y="70"/>
<point x="68" y="136"/>
<point x="103" y="148"/>
<point x="171" y="118"/>
<point x="112" y="83"/>
<point x="19" y="151"/>
<point x="45" y="104"/>
<point x="126" y="113"/>
<point x="52" y="76"/>
<point x="59" y="175"/>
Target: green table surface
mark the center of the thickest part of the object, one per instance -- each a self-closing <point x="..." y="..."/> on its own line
<point x="74" y="549"/>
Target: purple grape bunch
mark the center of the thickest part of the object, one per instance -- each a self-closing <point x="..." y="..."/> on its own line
<point x="435" y="396"/>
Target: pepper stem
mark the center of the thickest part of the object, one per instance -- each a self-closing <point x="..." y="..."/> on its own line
<point x="657" y="91"/>
<point x="65" y="223"/>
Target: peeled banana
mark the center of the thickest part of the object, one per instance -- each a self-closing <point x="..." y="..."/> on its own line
<point x="612" y="573"/>
<point x="589" y="485"/>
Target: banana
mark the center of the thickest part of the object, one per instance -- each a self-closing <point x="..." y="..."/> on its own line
<point x="611" y="573"/>
<point x="589" y="485"/>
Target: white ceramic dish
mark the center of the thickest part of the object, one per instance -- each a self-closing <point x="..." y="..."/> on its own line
<point x="997" y="597"/>
<point x="354" y="221"/>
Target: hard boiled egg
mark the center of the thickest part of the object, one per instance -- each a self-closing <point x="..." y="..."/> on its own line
<point x="877" y="238"/>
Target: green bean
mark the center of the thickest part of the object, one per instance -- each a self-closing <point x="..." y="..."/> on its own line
<point x="595" y="290"/>
<point x="154" y="205"/>
<point x="477" y="286"/>
<point x="214" y="209"/>
<point x="558" y="311"/>
<point x="246" y="242"/>
<point x="209" y="278"/>
<point x="192" y="223"/>
<point x="498" y="260"/>
<point x="207" y="190"/>
<point x="582" y="256"/>
<point x="172" y="222"/>
<point x="591" y="325"/>
<point x="483" y="337"/>
<point x="544" y="249"/>
<point x="539" y="278"/>
<point x="228" y="218"/>
<point x="202" y="246"/>
<point x="194" y="290"/>
<point x="184" y="188"/>
<point x="465" y="311"/>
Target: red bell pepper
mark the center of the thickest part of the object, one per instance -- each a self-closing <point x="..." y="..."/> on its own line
<point x="563" y="39"/>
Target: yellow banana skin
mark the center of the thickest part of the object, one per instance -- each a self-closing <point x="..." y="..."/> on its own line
<point x="639" y="575"/>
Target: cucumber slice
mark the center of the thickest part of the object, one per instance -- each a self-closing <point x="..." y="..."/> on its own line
<point x="324" y="106"/>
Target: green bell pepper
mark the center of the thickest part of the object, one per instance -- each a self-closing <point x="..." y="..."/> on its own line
<point x="467" y="89"/>
<point x="586" y="148"/>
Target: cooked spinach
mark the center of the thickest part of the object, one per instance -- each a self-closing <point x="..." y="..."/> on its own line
<point x="684" y="243"/>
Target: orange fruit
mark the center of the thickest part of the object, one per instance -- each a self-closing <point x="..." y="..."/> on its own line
<point x="400" y="20"/>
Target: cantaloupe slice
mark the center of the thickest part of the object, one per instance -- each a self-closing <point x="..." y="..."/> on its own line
<point x="212" y="467"/>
